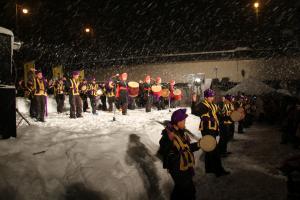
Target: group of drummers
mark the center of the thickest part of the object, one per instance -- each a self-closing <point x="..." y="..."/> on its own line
<point x="217" y="126"/>
<point x="116" y="91"/>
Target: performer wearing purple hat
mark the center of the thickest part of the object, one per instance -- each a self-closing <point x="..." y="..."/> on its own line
<point x="240" y="105"/>
<point x="83" y="92"/>
<point x="209" y="125"/>
<point x="225" y="125"/>
<point x="178" y="157"/>
<point x="30" y="87"/>
<point x="93" y="87"/>
<point x="40" y="95"/>
<point x="110" y="92"/>
<point x="59" y="93"/>
<point x="74" y="98"/>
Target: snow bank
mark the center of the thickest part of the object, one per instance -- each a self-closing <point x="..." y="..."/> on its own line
<point x="88" y="156"/>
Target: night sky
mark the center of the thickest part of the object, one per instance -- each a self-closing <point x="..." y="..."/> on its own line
<point x="54" y="30"/>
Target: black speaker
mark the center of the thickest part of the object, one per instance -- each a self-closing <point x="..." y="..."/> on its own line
<point x="6" y="72"/>
<point x="8" y="112"/>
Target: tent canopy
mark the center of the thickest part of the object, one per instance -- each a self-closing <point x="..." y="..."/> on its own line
<point x="251" y="86"/>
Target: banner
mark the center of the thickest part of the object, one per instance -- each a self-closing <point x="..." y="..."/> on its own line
<point x="29" y="71"/>
<point x="57" y="72"/>
<point x="81" y="75"/>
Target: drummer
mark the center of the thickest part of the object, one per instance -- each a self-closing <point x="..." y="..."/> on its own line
<point x="173" y="101"/>
<point x="157" y="98"/>
<point x="232" y="127"/>
<point x="110" y="93"/>
<point x="84" y="94"/>
<point x="140" y="97"/>
<point x="74" y="98"/>
<point x="103" y="97"/>
<point x="93" y="88"/>
<point x="240" y="105"/>
<point x="225" y="125"/>
<point x="209" y="125"/>
<point x="122" y="93"/>
<point x="133" y="92"/>
<point x="148" y="98"/>
<point x="179" y="163"/>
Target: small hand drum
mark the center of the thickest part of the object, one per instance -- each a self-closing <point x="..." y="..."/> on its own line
<point x="236" y="116"/>
<point x="208" y="143"/>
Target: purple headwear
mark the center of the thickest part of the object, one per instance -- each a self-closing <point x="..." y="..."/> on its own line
<point x="107" y="86"/>
<point x="178" y="116"/>
<point x="38" y="71"/>
<point x="228" y="97"/>
<point x="209" y="93"/>
<point x="92" y="79"/>
<point x="75" y="73"/>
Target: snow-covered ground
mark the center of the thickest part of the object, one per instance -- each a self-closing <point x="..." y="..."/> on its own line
<point x="94" y="155"/>
<point x="97" y="158"/>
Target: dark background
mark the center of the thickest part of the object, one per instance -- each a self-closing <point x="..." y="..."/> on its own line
<point x="53" y="33"/>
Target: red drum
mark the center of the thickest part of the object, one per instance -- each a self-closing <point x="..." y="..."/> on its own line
<point x="156" y="89"/>
<point x="133" y="89"/>
<point x="177" y="94"/>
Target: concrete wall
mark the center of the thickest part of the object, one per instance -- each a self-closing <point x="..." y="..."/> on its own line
<point x="272" y="69"/>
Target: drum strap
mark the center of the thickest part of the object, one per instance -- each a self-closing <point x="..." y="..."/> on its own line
<point x="39" y="87"/>
<point x="94" y="89"/>
<point x="187" y="159"/>
<point x="228" y="112"/>
<point x="213" y="109"/>
<point x="74" y="86"/>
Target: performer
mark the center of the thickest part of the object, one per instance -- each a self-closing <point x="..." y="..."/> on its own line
<point x="83" y="90"/>
<point x="248" y="111"/>
<point x="232" y="126"/>
<point x="110" y="92"/>
<point x="177" y="153"/>
<point x="173" y="101"/>
<point x="74" y="97"/>
<point x="93" y="87"/>
<point x="147" y="93"/>
<point x="59" y="93"/>
<point x="157" y="98"/>
<point x="165" y="100"/>
<point x="40" y="95"/>
<point x="225" y="125"/>
<point x="209" y="125"/>
<point x="30" y="87"/>
<point x="240" y="104"/>
<point x="122" y="93"/>
<point x="103" y="97"/>
<point x="140" y="97"/>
